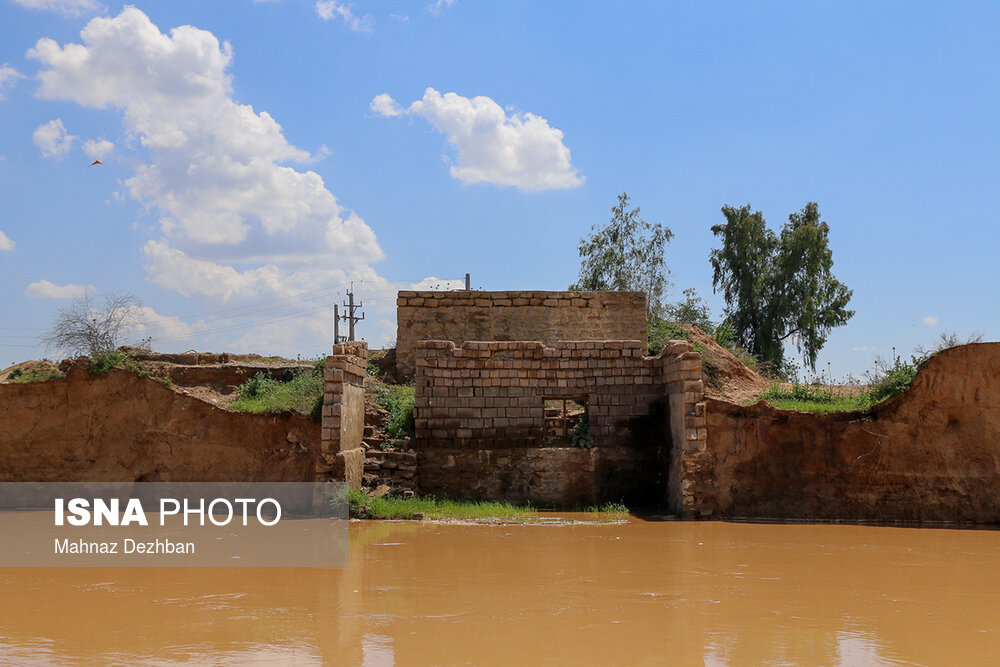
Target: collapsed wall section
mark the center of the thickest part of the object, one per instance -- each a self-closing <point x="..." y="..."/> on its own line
<point x="342" y="457"/>
<point x="514" y="316"/>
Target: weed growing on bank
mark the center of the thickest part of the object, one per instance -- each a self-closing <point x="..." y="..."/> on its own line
<point x="886" y="381"/>
<point x="608" y="511"/>
<point x="102" y="362"/>
<point x="302" y="393"/>
<point x="810" y="398"/>
<point x="366" y="506"/>
<point x="37" y="374"/>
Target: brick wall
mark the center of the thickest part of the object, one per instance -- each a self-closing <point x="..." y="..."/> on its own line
<point x="514" y="316"/>
<point x="480" y="421"/>
<point x="689" y="463"/>
<point x="341" y="454"/>
<point x="490" y="394"/>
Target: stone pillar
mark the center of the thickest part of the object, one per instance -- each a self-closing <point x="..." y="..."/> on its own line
<point x="342" y="457"/>
<point x="689" y="459"/>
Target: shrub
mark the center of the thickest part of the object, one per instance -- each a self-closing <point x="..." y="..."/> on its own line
<point x="102" y="362"/>
<point x="661" y="331"/>
<point x="300" y="391"/>
<point x="37" y="374"/>
<point x="259" y="385"/>
<point x="886" y="381"/>
<point x="398" y="401"/>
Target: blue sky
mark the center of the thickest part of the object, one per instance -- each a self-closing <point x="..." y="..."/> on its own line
<point x="261" y="159"/>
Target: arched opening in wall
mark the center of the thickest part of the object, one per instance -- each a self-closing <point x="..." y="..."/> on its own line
<point x="567" y="421"/>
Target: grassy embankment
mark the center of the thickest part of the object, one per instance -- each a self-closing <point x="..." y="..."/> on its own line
<point x="887" y="381"/>
<point x="366" y="506"/>
<point x="39" y="373"/>
<point x="300" y="391"/>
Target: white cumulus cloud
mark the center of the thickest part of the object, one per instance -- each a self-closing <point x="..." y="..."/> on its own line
<point x="931" y="320"/>
<point x="492" y="146"/>
<point x="44" y="289"/>
<point x="384" y="105"/>
<point x="52" y="139"/>
<point x="98" y="149"/>
<point x="217" y="168"/>
<point x="8" y="75"/>
<point x="329" y="10"/>
<point x="238" y="220"/>
<point x="157" y="326"/>
<point x="66" y="7"/>
<point x="6" y="245"/>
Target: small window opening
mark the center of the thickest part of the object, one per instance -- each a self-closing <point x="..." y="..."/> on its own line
<point x="567" y="421"/>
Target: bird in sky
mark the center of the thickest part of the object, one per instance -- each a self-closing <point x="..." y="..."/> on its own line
<point x="96" y="162"/>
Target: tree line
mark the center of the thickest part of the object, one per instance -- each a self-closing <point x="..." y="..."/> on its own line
<point x="778" y="287"/>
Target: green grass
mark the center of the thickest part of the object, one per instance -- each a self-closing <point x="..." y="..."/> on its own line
<point x="303" y="393"/>
<point x="365" y="506"/>
<point x="887" y="381"/>
<point x="20" y="376"/>
<point x="398" y="400"/>
<point x="661" y="332"/>
<point x="609" y="511"/>
<point x="808" y="398"/>
<point x="102" y="362"/>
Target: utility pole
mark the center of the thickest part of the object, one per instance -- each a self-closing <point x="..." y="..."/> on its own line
<point x="336" y="326"/>
<point x="350" y="317"/>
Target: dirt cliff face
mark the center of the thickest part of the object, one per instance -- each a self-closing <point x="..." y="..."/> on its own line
<point x="929" y="454"/>
<point x="119" y="426"/>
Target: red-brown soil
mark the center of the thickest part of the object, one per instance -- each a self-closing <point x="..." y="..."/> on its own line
<point x="726" y="377"/>
<point x="930" y="453"/>
<point x="121" y="426"/>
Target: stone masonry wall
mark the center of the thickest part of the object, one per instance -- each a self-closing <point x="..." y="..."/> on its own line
<point x="480" y="421"/>
<point x="514" y="316"/>
<point x="486" y="395"/>
<point x="689" y="463"/>
<point x="342" y="457"/>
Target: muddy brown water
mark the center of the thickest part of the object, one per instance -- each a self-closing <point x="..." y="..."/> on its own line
<point x="635" y="593"/>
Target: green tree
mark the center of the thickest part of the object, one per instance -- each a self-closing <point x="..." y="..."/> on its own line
<point x="628" y="254"/>
<point x="778" y="286"/>
<point x="692" y="310"/>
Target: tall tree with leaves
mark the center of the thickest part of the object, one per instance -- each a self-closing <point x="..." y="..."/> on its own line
<point x="628" y="254"/>
<point x="779" y="287"/>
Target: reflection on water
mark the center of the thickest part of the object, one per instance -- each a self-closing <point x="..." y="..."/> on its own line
<point x="639" y="593"/>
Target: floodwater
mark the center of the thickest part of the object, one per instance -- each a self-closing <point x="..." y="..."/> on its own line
<point x="636" y="593"/>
